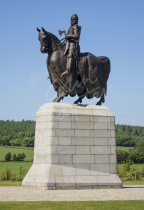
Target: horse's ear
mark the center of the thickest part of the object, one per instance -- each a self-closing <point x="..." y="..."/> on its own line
<point x="38" y="29"/>
<point x="43" y="30"/>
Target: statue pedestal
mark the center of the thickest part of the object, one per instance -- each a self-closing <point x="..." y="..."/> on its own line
<point x="74" y="148"/>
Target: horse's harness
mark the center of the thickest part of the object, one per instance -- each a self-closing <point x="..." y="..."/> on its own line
<point x="60" y="44"/>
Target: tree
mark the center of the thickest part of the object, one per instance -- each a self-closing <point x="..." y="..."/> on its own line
<point x="28" y="142"/>
<point x="16" y="142"/>
<point x="13" y="132"/>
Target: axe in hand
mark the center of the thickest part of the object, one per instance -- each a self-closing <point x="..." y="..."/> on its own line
<point x="62" y="32"/>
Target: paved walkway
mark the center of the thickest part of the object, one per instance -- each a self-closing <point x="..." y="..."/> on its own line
<point x="25" y="194"/>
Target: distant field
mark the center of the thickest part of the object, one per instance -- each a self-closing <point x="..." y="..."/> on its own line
<point x="29" y="151"/>
<point x="123" y="148"/>
<point x="15" y="150"/>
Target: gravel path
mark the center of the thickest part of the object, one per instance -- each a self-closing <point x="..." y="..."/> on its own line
<point x="25" y="194"/>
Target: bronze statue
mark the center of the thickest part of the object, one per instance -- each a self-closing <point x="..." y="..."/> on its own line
<point x="72" y="50"/>
<point x="71" y="72"/>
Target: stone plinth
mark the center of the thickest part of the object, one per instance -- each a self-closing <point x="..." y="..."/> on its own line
<point x="74" y="148"/>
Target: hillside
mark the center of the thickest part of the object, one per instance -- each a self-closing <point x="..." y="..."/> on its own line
<point x="21" y="133"/>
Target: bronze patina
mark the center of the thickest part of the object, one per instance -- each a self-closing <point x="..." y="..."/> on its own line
<point x="70" y="71"/>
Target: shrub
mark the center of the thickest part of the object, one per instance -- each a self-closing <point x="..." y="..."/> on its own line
<point x="122" y="156"/>
<point x="20" y="157"/>
<point x="14" y="157"/>
<point x="8" y="156"/>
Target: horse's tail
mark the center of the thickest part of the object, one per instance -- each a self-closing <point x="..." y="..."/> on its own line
<point x="107" y="73"/>
<point x="104" y="72"/>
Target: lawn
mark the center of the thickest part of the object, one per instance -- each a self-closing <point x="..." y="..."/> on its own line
<point x="123" y="148"/>
<point x="133" y="182"/>
<point x="77" y="205"/>
<point x="15" y="166"/>
<point x="10" y="183"/>
<point x="15" y="169"/>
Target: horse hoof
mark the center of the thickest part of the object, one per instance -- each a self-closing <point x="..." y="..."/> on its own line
<point x="55" y="100"/>
<point x="78" y="101"/>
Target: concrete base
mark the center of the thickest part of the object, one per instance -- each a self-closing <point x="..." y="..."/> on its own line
<point x="74" y="148"/>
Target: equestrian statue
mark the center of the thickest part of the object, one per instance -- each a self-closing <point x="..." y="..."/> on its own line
<point x="70" y="71"/>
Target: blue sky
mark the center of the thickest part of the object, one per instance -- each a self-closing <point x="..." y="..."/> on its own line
<point x="112" y="28"/>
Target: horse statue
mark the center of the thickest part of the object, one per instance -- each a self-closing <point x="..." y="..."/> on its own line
<point x="92" y="73"/>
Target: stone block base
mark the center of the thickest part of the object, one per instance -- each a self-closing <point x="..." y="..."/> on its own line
<point x="50" y="176"/>
<point x="74" y="148"/>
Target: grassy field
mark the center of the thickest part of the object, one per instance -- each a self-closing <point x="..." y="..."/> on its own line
<point x="15" y="171"/>
<point x="89" y="205"/>
<point x="15" y="167"/>
<point x="10" y="183"/>
<point x="123" y="148"/>
<point x="15" y="150"/>
<point x="134" y="182"/>
<point x="29" y="151"/>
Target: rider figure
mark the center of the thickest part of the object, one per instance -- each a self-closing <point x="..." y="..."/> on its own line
<point x="72" y="49"/>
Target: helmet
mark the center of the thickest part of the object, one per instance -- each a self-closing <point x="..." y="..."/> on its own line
<point x="75" y="16"/>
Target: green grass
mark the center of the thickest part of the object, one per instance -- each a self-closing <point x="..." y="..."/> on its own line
<point x="14" y="166"/>
<point x="136" y="166"/>
<point x="77" y="205"/>
<point x="15" y="150"/>
<point x="134" y="182"/>
<point x="123" y="148"/>
<point x="10" y="183"/>
<point x="17" y="169"/>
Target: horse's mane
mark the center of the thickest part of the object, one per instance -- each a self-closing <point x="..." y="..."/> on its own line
<point x="57" y="44"/>
<point x="52" y="36"/>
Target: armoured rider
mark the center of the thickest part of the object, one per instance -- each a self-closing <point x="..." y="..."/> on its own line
<point x="72" y="49"/>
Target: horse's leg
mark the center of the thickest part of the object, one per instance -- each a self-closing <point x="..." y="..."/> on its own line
<point x="60" y="95"/>
<point x="102" y="100"/>
<point x="57" y="99"/>
<point x="79" y="100"/>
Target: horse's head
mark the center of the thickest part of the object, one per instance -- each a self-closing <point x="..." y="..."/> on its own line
<point x="43" y="38"/>
<point x="48" y="41"/>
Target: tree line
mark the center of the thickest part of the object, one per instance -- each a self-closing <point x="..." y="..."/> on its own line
<point x="129" y="136"/>
<point x="22" y="133"/>
<point x="17" y="133"/>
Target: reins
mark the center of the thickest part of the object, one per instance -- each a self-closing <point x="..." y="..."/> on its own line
<point x="59" y="44"/>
